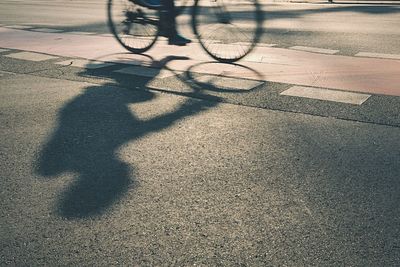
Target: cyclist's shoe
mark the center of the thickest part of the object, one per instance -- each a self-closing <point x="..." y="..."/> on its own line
<point x="178" y="40"/>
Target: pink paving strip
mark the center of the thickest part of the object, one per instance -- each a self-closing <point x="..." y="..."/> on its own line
<point x="366" y="75"/>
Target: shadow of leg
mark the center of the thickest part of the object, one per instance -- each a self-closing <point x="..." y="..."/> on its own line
<point x="94" y="191"/>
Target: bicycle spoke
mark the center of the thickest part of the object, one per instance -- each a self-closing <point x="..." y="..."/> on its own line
<point x="135" y="27"/>
<point x="236" y="26"/>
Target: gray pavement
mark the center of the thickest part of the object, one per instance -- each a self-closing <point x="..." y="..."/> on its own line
<point x="100" y="174"/>
<point x="103" y="168"/>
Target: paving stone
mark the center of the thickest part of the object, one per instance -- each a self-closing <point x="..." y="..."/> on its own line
<point x="326" y="94"/>
<point x="315" y="49"/>
<point x="378" y="55"/>
<point x="31" y="56"/>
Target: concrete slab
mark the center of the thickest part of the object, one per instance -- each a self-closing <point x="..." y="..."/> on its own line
<point x="315" y="49"/>
<point x="377" y="55"/>
<point x="327" y="95"/>
<point x="267" y="45"/>
<point x="31" y="56"/>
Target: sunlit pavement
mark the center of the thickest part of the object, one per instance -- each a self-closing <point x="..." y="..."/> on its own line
<point x="289" y="158"/>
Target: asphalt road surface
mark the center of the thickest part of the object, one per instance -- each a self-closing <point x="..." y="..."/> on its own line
<point x="114" y="163"/>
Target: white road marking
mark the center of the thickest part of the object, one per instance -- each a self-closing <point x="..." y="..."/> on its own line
<point x="146" y="72"/>
<point x="84" y="63"/>
<point x="378" y="55"/>
<point x="315" y="50"/>
<point x="106" y="35"/>
<point x="228" y="83"/>
<point x="82" y="33"/>
<point x="326" y="94"/>
<point x="30" y="56"/>
<point x="48" y="30"/>
<point x="266" y="45"/>
<point x="19" y="27"/>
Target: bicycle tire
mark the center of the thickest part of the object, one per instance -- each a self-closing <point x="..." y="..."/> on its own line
<point x="228" y="30"/>
<point x="135" y="26"/>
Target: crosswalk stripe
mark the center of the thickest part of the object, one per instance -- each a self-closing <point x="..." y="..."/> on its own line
<point x="315" y="49"/>
<point x="377" y="55"/>
<point x="326" y="94"/>
<point x="30" y="56"/>
<point x="84" y="63"/>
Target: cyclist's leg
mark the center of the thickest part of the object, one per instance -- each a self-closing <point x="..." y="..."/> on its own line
<point x="168" y="17"/>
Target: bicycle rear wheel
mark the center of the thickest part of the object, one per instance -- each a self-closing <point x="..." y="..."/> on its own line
<point x="228" y="30"/>
<point x="134" y="25"/>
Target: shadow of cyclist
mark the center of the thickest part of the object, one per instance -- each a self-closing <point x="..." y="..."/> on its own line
<point x="90" y="130"/>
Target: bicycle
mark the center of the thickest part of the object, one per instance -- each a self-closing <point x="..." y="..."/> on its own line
<point x="227" y="30"/>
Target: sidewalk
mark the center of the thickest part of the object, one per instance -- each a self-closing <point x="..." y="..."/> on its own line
<point x="358" y="74"/>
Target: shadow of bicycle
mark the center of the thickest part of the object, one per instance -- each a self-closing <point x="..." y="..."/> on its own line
<point x="94" y="125"/>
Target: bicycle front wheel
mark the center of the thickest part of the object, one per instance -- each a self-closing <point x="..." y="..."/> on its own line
<point x="228" y="30"/>
<point x="134" y="25"/>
